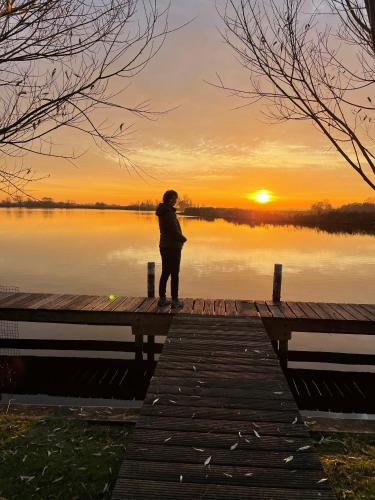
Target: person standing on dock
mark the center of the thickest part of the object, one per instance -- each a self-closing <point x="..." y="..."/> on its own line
<point x="171" y="243"/>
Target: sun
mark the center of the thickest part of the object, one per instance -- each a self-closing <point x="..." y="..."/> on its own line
<point x="262" y="196"/>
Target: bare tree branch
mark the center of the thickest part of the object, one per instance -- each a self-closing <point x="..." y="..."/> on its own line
<point x="60" y="62"/>
<point x="306" y="68"/>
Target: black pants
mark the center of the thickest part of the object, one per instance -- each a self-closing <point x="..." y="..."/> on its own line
<point x="170" y="259"/>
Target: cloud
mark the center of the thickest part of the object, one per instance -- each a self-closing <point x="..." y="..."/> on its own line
<point x="208" y="156"/>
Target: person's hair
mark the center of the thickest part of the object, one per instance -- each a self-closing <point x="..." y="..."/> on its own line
<point x="168" y="195"/>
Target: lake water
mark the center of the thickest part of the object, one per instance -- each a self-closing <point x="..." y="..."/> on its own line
<point x="103" y="252"/>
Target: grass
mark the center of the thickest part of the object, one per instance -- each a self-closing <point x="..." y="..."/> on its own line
<point x="71" y="459"/>
<point x="51" y="459"/>
<point x="349" y="463"/>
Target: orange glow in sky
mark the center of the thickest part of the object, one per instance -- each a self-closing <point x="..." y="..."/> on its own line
<point x="204" y="147"/>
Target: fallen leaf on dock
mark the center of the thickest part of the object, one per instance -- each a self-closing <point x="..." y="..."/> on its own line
<point x="295" y="420"/>
<point x="168" y="439"/>
<point x="304" y="448"/>
<point x="227" y="475"/>
<point x="322" y="480"/>
<point x="207" y="461"/>
<point x="27" y="478"/>
<point x="278" y="393"/>
<point x="288" y="459"/>
<point x="256" y="433"/>
<point x="155" y="401"/>
<point x="181" y="478"/>
<point x="248" y="474"/>
<point x="194" y="368"/>
<point x="172" y="401"/>
<point x="234" y="446"/>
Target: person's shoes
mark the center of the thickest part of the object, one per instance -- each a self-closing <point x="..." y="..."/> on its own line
<point x="163" y="301"/>
<point x="177" y="304"/>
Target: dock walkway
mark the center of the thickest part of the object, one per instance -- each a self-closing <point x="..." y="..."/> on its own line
<point x="219" y="421"/>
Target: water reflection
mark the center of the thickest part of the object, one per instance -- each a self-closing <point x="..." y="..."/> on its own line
<point x="100" y="252"/>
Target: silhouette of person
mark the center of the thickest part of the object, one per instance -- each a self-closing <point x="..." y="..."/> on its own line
<point x="171" y="243"/>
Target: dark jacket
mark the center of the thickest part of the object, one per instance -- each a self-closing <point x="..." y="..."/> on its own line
<point x="170" y="230"/>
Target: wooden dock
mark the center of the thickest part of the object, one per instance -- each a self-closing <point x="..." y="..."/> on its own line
<point x="219" y="421"/>
<point x="122" y="310"/>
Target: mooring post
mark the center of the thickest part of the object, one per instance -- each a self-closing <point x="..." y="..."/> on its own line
<point x="277" y="277"/>
<point x="138" y="341"/>
<point x="150" y="294"/>
<point x="150" y="279"/>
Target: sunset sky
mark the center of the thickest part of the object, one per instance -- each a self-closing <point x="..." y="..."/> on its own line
<point x="204" y="148"/>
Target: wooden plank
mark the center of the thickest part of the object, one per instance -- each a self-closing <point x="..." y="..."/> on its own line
<point x="198" y="306"/>
<point x="15" y="298"/>
<point x="310" y="313"/>
<point x="187" y="307"/>
<point x="80" y="302"/>
<point x="96" y="304"/>
<point x="230" y="308"/>
<point x="332" y="311"/>
<point x="259" y="476"/>
<point x="64" y="304"/>
<point x="366" y="312"/>
<point x="318" y="310"/>
<point x="221" y="426"/>
<point x="132" y="305"/>
<point x="247" y="392"/>
<point x="275" y="309"/>
<point x="209" y="307"/>
<point x="269" y="384"/>
<point x="238" y="457"/>
<point x="286" y="310"/>
<point x="357" y="313"/>
<point x="369" y="307"/>
<point x="203" y="373"/>
<point x="220" y="307"/>
<point x="167" y="409"/>
<point x="263" y="309"/>
<point x="112" y="304"/>
<point x="298" y="311"/>
<point x="147" y="304"/>
<point x="220" y="441"/>
<point x="247" y="308"/>
<point x="58" y="300"/>
<point x="229" y="401"/>
<point x="27" y="302"/>
<point x="215" y="367"/>
<point x="131" y="489"/>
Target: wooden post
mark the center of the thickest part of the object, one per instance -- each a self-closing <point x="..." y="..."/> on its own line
<point x="283" y="353"/>
<point x="138" y="341"/>
<point x="150" y="294"/>
<point x="277" y="277"/>
<point x="150" y="279"/>
<point x="151" y="346"/>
